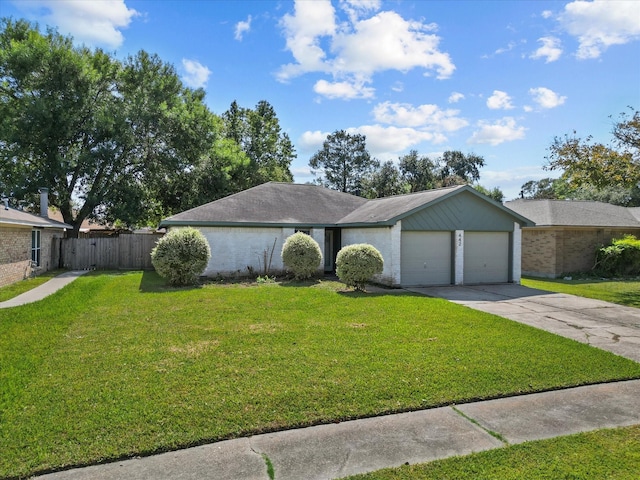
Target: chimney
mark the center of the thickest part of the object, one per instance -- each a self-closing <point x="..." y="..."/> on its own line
<point x="6" y="203"/>
<point x="44" y="202"/>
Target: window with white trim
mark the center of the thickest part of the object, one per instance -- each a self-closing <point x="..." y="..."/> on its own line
<point x="35" y="247"/>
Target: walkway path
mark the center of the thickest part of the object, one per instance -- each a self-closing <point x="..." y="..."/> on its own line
<point x="44" y="290"/>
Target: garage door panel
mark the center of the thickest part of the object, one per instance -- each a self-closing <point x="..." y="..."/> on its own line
<point x="486" y="257"/>
<point x="425" y="258"/>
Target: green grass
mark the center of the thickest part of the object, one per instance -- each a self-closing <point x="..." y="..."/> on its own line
<point x="622" y="292"/>
<point x="9" y="291"/>
<point x="117" y="365"/>
<point x="610" y="454"/>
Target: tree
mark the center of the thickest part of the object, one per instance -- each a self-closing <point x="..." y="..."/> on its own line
<point x="343" y="163"/>
<point x="546" y="188"/>
<point x="585" y="162"/>
<point x="384" y="182"/>
<point x="456" y="168"/>
<point x="495" y="193"/>
<point x="259" y="135"/>
<point x="418" y="172"/>
<point x="107" y="138"/>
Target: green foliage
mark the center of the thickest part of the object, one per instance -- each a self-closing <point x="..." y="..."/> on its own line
<point x="621" y="258"/>
<point x="356" y="264"/>
<point x="181" y="256"/>
<point x="258" y="134"/>
<point x="495" y="193"/>
<point x="384" y="182"/>
<point x="418" y="172"/>
<point x="585" y="162"/>
<point x="343" y="162"/>
<point x="302" y="255"/>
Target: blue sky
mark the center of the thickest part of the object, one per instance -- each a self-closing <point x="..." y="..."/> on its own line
<point x="499" y="78"/>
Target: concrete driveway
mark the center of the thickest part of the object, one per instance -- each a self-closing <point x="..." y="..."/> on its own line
<point x="602" y="324"/>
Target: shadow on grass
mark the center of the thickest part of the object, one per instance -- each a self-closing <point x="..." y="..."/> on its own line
<point x="151" y="282"/>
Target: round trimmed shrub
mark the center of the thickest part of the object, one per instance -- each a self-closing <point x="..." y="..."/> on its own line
<point x="355" y="264"/>
<point x="181" y="256"/>
<point x="302" y="255"/>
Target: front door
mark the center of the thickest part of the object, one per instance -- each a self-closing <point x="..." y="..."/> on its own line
<point x="328" y="250"/>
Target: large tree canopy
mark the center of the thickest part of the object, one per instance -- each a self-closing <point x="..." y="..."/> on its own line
<point x="343" y="163"/>
<point x="121" y="140"/>
<point x="104" y="136"/>
<point x="588" y="163"/>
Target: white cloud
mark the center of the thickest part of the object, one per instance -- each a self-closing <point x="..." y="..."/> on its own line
<point x="550" y="49"/>
<point x="386" y="142"/>
<point x="358" y="8"/>
<point x="96" y="23"/>
<point x="344" y="90"/>
<point x="547" y="14"/>
<point x="354" y="50"/>
<point x="546" y="98"/>
<point x="455" y="97"/>
<point x="503" y="130"/>
<point x="499" y="101"/>
<point x="600" y="24"/>
<point x="196" y="74"/>
<point x="303" y="30"/>
<point x="242" y="27"/>
<point x="312" y="141"/>
<point x="426" y="117"/>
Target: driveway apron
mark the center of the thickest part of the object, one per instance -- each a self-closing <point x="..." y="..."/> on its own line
<point x="605" y="325"/>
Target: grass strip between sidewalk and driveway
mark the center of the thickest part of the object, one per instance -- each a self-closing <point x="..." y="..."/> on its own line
<point x="610" y="454"/>
<point x="116" y="365"/>
<point x="622" y="292"/>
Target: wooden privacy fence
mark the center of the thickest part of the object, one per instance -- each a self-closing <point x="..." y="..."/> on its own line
<point x="124" y="252"/>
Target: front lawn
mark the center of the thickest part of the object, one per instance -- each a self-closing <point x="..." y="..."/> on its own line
<point x="118" y="365"/>
<point x="622" y="292"/>
<point x="609" y="454"/>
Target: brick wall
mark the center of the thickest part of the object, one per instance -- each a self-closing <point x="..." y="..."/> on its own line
<point x="553" y="252"/>
<point x="15" y="254"/>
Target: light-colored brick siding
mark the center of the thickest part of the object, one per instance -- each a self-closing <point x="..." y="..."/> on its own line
<point x="15" y="254"/>
<point x="553" y="252"/>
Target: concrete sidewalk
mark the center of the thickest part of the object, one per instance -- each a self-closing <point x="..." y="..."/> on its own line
<point x="605" y="325"/>
<point x="44" y="290"/>
<point x="337" y="450"/>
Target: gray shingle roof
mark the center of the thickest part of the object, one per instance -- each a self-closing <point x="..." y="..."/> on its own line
<point x="310" y="205"/>
<point x="576" y="213"/>
<point x="273" y="203"/>
<point x="387" y="209"/>
<point x="12" y="216"/>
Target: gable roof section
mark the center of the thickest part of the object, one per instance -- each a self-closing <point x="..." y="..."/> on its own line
<point x="274" y="204"/>
<point x="12" y="216"/>
<point x="576" y="213"/>
<point x="388" y="210"/>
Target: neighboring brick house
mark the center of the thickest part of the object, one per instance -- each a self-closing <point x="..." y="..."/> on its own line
<point x="568" y="233"/>
<point x="26" y="243"/>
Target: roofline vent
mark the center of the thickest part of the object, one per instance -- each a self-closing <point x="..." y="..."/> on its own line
<point x="6" y="203"/>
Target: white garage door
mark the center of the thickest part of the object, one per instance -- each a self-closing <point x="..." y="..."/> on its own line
<point x="486" y="257"/>
<point x="425" y="258"/>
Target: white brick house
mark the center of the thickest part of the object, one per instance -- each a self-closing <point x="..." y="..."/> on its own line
<point x="452" y="235"/>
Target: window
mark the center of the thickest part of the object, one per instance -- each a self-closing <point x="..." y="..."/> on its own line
<point x="303" y="230"/>
<point x="35" y="247"/>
